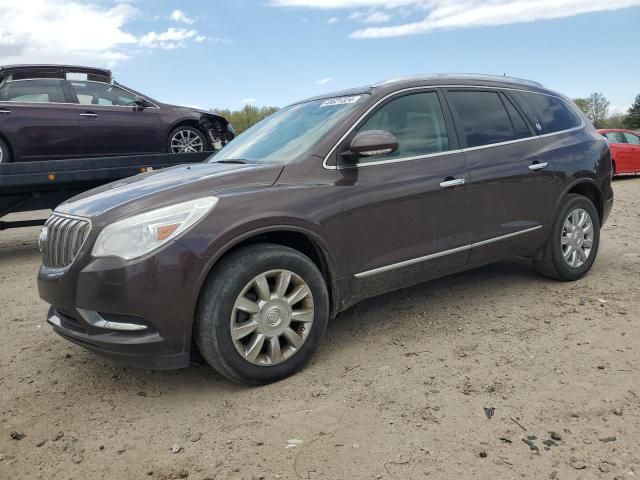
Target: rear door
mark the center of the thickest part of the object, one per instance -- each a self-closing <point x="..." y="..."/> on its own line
<point x="112" y="123"/>
<point x="38" y="120"/>
<point x="511" y="185"/>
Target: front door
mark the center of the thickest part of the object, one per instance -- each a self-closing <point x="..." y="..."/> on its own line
<point x="112" y="122"/>
<point x="405" y="211"/>
<point x="38" y="121"/>
<point x="632" y="152"/>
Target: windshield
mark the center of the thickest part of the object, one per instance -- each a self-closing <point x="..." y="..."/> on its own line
<point x="290" y="132"/>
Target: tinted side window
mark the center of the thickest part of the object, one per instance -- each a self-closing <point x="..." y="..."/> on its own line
<point x="615" y="137"/>
<point x="519" y="125"/>
<point x="95" y="93"/>
<point x="549" y="114"/>
<point x="417" y="122"/>
<point x="31" y="91"/>
<point x="632" y="138"/>
<point x="482" y="117"/>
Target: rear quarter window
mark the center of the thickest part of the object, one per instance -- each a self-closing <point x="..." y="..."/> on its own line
<point x="548" y="114"/>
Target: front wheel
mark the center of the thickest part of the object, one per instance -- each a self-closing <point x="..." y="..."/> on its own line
<point x="186" y="139"/>
<point x="262" y="314"/>
<point x="573" y="244"/>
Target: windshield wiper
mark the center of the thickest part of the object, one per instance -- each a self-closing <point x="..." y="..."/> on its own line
<point x="233" y="160"/>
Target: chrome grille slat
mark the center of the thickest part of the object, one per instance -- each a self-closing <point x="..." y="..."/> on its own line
<point x="65" y="237"/>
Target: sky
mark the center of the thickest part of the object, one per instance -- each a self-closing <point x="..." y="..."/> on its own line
<point x="229" y="53"/>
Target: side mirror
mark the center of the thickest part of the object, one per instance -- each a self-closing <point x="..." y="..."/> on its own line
<point x="142" y="102"/>
<point x="372" y="143"/>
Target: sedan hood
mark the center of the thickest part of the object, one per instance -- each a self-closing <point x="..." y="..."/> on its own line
<point x="167" y="186"/>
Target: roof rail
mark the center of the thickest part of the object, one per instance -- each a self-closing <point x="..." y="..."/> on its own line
<point x="479" y="76"/>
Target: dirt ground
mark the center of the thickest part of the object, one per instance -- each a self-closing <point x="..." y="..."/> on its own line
<point x="398" y="389"/>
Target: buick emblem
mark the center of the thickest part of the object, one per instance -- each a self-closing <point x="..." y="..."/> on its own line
<point x="43" y="240"/>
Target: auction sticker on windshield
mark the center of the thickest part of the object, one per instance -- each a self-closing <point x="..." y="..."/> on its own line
<point x="340" y="101"/>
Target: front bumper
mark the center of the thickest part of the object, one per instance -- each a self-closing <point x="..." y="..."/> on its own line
<point x="137" y="313"/>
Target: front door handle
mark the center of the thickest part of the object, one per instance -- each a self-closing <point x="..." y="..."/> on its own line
<point x="5" y="112"/>
<point x="452" y="182"/>
<point x="538" y="166"/>
<point x="89" y="115"/>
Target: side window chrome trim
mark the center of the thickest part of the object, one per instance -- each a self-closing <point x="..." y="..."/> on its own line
<point x="449" y="152"/>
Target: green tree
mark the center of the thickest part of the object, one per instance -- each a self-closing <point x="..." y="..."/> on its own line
<point x="633" y="115"/>
<point x="247" y="117"/>
<point x="615" y="121"/>
<point x="583" y="104"/>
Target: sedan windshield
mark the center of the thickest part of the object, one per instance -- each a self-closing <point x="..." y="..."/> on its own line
<point x="288" y="133"/>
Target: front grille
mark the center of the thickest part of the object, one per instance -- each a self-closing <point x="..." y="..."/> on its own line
<point x="63" y="240"/>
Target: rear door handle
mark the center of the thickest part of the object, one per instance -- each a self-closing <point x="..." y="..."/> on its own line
<point x="5" y="112"/>
<point x="89" y="115"/>
<point x="452" y="182"/>
<point x="538" y="166"/>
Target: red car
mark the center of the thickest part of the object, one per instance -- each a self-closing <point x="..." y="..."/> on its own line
<point x="625" y="150"/>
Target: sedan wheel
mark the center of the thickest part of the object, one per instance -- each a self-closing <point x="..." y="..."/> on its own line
<point x="186" y="140"/>
<point x="272" y="317"/>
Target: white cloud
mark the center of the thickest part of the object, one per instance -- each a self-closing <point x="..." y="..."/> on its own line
<point x="452" y="14"/>
<point x="179" y="16"/>
<point x="371" y="16"/>
<point x="170" y="39"/>
<point x="249" y="100"/>
<point x="332" y="20"/>
<point x="91" y="32"/>
<point x="324" y="81"/>
<point x="57" y="31"/>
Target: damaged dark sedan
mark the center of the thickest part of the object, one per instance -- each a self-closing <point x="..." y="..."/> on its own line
<point x="50" y="112"/>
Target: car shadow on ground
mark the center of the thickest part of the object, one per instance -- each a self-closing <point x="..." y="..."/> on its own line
<point x="393" y="312"/>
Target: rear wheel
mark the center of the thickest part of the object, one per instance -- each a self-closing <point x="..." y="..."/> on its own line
<point x="573" y="244"/>
<point x="5" y="154"/>
<point x="262" y="314"/>
<point x="186" y="139"/>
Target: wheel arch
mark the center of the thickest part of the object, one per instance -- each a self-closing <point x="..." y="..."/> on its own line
<point x="12" y="155"/>
<point x="587" y="188"/>
<point x="297" y="238"/>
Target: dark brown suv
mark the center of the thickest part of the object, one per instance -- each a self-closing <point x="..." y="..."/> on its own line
<point x="325" y="203"/>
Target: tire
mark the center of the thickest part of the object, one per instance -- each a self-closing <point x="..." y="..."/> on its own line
<point x="185" y="139"/>
<point x="218" y="313"/>
<point x="553" y="263"/>
<point x="5" y="153"/>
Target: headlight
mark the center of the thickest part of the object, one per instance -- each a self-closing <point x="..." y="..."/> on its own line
<point x="135" y="236"/>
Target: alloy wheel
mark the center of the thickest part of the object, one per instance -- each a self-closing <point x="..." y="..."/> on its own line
<point x="186" y="141"/>
<point x="272" y="317"/>
<point x="576" y="239"/>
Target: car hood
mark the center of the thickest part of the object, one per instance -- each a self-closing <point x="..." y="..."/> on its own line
<point x="168" y="186"/>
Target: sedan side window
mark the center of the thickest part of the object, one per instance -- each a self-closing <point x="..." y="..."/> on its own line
<point x="632" y="138"/>
<point x="96" y="93"/>
<point x="482" y="117"/>
<point x="615" y="137"/>
<point x="416" y="121"/>
<point x="43" y="90"/>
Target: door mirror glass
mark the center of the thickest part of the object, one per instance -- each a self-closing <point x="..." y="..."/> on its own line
<point x="373" y="143"/>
